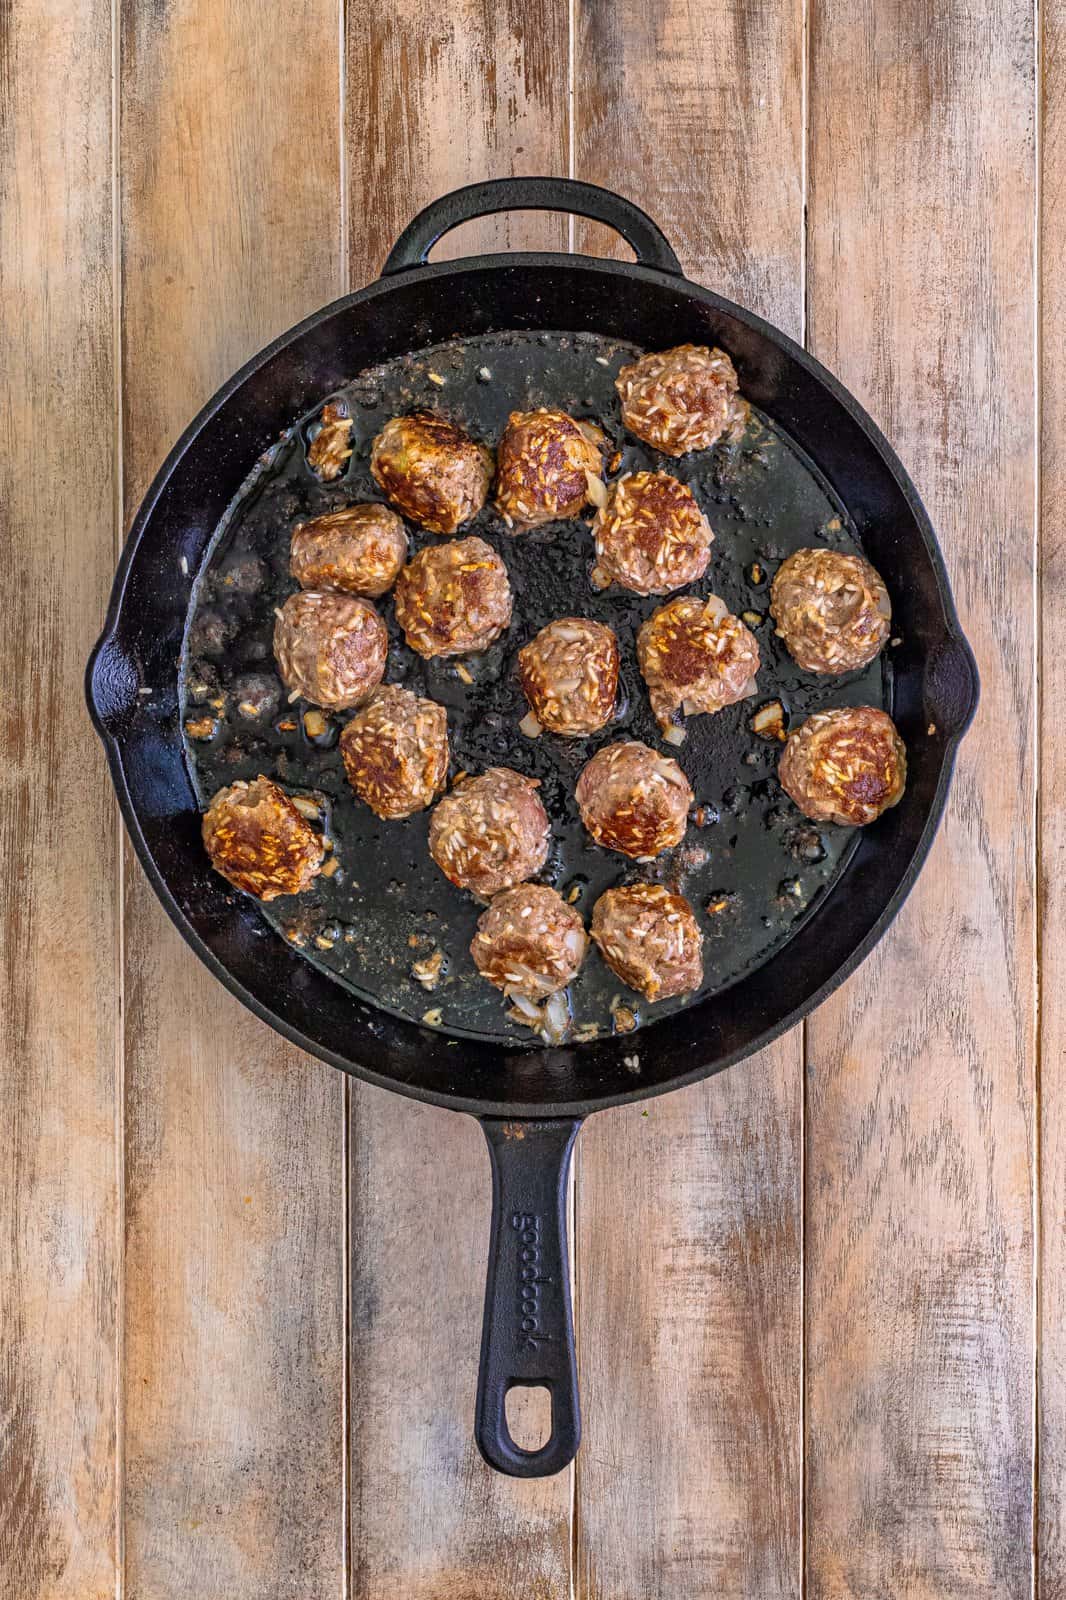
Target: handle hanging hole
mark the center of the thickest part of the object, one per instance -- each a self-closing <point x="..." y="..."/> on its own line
<point x="528" y="1410"/>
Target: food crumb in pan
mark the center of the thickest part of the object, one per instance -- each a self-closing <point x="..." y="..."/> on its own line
<point x="201" y="728"/>
<point x="428" y="971"/>
<point x="433" y="1018"/>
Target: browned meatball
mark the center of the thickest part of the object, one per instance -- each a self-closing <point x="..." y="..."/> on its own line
<point x="490" y="833"/>
<point x="543" y="467"/>
<point x="431" y="470"/>
<point x="330" y="648"/>
<point x="695" y="656"/>
<point x="846" y="765"/>
<point x="453" y="599"/>
<point x="395" y="752"/>
<point x="681" y="399"/>
<point x="650" y="938"/>
<point x="570" y="675"/>
<point x="634" y="800"/>
<point x="258" y="840"/>
<point x="529" y="942"/>
<point x="831" y="609"/>
<point x="651" y="536"/>
<point x="359" y="549"/>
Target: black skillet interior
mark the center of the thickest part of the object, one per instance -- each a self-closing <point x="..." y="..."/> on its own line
<point x="749" y="853"/>
<point x="133" y="689"/>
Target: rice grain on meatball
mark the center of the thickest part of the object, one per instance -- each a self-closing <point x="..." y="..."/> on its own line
<point x="681" y="399"/>
<point x="259" y="842"/>
<point x="543" y="467"/>
<point x="569" y="675"/>
<point x="650" y="938"/>
<point x="832" y="610"/>
<point x="431" y="470"/>
<point x="651" y="536"/>
<point x="696" y="657"/>
<point x="358" y="550"/>
<point x="847" y="765"/>
<point x="453" y="599"/>
<point x="634" y="800"/>
<point x="490" y="833"/>
<point x="330" y="648"/>
<point x="529" y="942"/>
<point x="395" y="752"/>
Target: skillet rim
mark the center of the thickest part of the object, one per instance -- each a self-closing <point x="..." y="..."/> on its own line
<point x="954" y="638"/>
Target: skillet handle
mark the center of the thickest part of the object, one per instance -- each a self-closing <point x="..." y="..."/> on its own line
<point x="528" y="1333"/>
<point x="531" y="194"/>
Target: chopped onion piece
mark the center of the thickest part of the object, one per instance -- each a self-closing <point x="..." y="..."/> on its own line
<point x="597" y="490"/>
<point x="530" y="726"/>
<point x="673" y="735"/>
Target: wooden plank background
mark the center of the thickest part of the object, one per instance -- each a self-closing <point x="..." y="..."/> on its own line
<point x="821" y="1301"/>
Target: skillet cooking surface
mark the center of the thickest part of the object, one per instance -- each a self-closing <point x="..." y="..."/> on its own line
<point x="388" y="905"/>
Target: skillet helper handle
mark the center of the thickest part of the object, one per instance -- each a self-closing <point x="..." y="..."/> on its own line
<point x="531" y="194"/>
<point x="528" y="1333"/>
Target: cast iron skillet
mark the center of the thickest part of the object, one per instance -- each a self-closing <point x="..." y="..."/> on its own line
<point x="530" y="1102"/>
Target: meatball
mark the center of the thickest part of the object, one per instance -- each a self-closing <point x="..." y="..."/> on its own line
<point x="846" y="765"/>
<point x="330" y="648"/>
<point x="695" y="656"/>
<point x="453" y="599"/>
<point x="634" y="800"/>
<point x="395" y="752"/>
<point x="682" y="399"/>
<point x="490" y="833"/>
<point x="650" y="938"/>
<point x="431" y="470"/>
<point x="332" y="445"/>
<point x="569" y="674"/>
<point x="359" y="549"/>
<point x="258" y="840"/>
<point x="529" y="942"/>
<point x="651" y="536"/>
<point x="544" y="464"/>
<point x="831" y="609"/>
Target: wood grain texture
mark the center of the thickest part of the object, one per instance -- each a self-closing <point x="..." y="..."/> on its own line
<point x="919" y="1309"/>
<point x="688" y="1215"/>
<point x="59" y="1005"/>
<point x="235" y="1218"/>
<point x="438" y="97"/>
<point x="1051" y="1526"/>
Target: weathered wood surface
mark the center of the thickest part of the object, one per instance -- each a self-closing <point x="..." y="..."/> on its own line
<point x="60" y="1022"/>
<point x="806" y="1315"/>
<point x="235" y="1349"/>
<point x="1051" y="1326"/>
<point x="920" y="1128"/>
<point x="688" y="1214"/>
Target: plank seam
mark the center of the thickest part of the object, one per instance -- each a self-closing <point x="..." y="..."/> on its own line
<point x="1038" y="692"/>
<point x="344" y="270"/>
<point x="118" y="519"/>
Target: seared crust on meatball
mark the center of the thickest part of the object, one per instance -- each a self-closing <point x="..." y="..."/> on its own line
<point x="569" y="675"/>
<point x="847" y="765"/>
<point x="695" y="656"/>
<point x="331" y="446"/>
<point x="529" y="942"/>
<point x="634" y="800"/>
<point x="431" y="470"/>
<point x="832" y="610"/>
<point x="490" y="833"/>
<point x="330" y="648"/>
<point x="543" y="466"/>
<point x="395" y="752"/>
<point x="651" y="536"/>
<point x="650" y="938"/>
<point x="453" y="599"/>
<point x="359" y="549"/>
<point x="681" y="399"/>
<point x="258" y="840"/>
